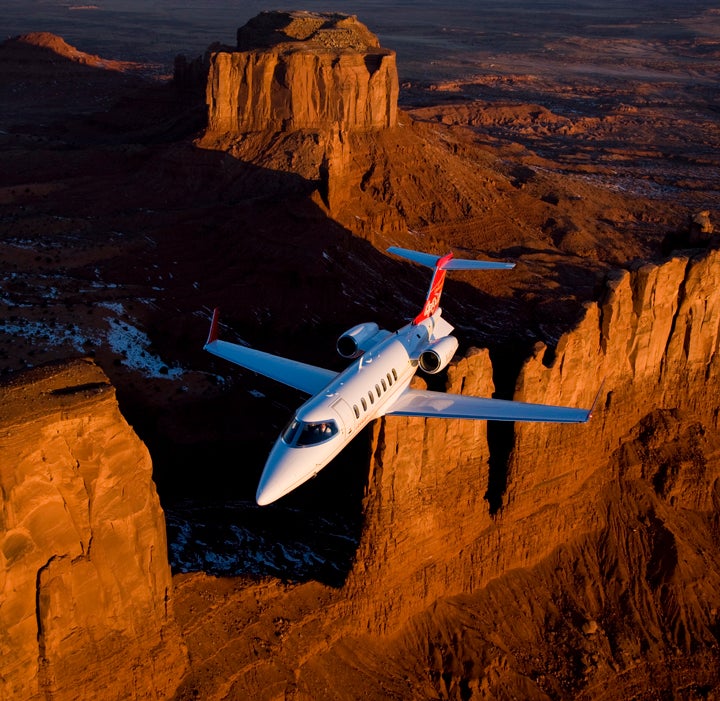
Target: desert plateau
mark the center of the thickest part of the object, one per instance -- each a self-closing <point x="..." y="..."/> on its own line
<point x="162" y="159"/>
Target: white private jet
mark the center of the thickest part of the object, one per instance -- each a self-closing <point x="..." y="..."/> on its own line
<point x="376" y="384"/>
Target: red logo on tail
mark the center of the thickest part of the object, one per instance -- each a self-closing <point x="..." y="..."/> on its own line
<point x="436" y="286"/>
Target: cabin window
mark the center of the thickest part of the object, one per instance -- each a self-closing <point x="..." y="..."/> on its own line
<point x="390" y="380"/>
<point x="384" y="385"/>
<point x="377" y="390"/>
<point x="364" y="403"/>
<point x="394" y="373"/>
<point x="356" y="410"/>
<point x="371" y="397"/>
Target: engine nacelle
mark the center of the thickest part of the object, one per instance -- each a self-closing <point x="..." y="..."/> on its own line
<point x="436" y="356"/>
<point x="353" y="343"/>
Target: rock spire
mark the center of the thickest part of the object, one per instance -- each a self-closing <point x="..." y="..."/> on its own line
<point x="85" y="585"/>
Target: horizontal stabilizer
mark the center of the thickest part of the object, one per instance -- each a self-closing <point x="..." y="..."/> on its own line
<point x="456" y="406"/>
<point x="430" y="261"/>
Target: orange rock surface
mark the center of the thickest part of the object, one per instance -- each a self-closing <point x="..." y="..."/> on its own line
<point x="300" y="70"/>
<point x="85" y="585"/>
<point x="534" y="561"/>
<point x="599" y="573"/>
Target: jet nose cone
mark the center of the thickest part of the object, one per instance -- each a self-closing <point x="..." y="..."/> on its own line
<point x="286" y="468"/>
<point x="265" y="496"/>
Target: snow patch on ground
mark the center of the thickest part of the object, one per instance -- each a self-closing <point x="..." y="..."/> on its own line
<point x="133" y="344"/>
<point x="240" y="538"/>
<point x="126" y="340"/>
<point x="48" y="333"/>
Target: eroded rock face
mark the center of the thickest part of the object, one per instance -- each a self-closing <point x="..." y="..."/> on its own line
<point x="599" y="572"/>
<point x="648" y="459"/>
<point x="405" y="514"/>
<point x="300" y="70"/>
<point x="85" y="584"/>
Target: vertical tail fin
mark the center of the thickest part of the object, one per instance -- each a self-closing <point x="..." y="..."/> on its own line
<point x="432" y="302"/>
<point x="442" y="264"/>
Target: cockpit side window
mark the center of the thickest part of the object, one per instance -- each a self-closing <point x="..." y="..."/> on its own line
<point x="290" y="433"/>
<point x="302" y="434"/>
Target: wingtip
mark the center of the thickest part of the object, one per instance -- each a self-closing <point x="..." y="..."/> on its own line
<point x="595" y="401"/>
<point x="213" y="335"/>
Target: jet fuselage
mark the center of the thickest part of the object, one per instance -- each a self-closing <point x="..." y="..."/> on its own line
<point x="328" y="421"/>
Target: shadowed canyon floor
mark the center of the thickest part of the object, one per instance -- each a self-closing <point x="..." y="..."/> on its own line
<point x="120" y="229"/>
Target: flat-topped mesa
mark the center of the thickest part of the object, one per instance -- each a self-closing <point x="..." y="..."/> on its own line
<point x="302" y="70"/>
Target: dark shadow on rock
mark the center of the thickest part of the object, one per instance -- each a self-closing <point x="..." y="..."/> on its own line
<point x="87" y="99"/>
<point x="151" y="225"/>
<point x="169" y="230"/>
<point x="253" y="243"/>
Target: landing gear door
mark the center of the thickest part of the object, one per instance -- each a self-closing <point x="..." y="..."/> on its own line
<point x="345" y="413"/>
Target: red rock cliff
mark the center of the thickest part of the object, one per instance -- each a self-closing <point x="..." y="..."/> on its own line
<point x="614" y="524"/>
<point x="85" y="586"/>
<point x="299" y="70"/>
<point x="599" y="573"/>
<point x="652" y="341"/>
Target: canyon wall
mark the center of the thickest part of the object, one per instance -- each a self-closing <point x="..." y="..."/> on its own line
<point x="85" y="586"/>
<point x="552" y="561"/>
<point x="649" y="349"/>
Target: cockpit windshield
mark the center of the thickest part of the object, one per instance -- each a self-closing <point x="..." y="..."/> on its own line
<point x="302" y="433"/>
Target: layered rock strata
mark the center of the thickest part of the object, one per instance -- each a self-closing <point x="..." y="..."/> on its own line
<point x="298" y="70"/>
<point x="85" y="585"/>
<point x="303" y="93"/>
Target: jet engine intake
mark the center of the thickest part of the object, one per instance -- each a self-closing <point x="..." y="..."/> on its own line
<point x="437" y="355"/>
<point x="360" y="338"/>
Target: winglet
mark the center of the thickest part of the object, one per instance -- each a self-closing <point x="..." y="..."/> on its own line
<point x="595" y="401"/>
<point x="213" y="335"/>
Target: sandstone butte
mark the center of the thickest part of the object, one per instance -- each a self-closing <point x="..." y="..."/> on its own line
<point x="548" y="562"/>
<point x="301" y="70"/>
<point x="305" y="93"/>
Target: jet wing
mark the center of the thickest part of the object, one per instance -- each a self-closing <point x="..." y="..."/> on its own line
<point x="306" y="378"/>
<point x="416" y="402"/>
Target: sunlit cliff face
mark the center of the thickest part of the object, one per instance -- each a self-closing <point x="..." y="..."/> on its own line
<point x="84" y="577"/>
<point x="600" y="565"/>
<point x="536" y="562"/>
<point x="300" y="70"/>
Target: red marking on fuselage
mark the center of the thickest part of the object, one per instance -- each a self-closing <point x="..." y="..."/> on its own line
<point x="436" y="286"/>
